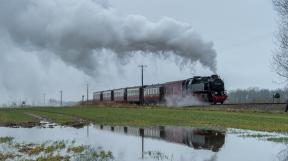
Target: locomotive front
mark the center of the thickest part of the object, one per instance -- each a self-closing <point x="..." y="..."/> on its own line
<point x="217" y="90"/>
<point x="206" y="89"/>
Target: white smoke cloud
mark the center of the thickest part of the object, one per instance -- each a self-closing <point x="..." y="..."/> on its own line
<point x="24" y="76"/>
<point x="53" y="45"/>
<point x="180" y="101"/>
<point x="77" y="30"/>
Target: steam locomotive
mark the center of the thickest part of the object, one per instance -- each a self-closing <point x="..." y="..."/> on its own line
<point x="209" y="89"/>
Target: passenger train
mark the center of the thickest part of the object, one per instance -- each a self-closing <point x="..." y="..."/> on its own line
<point x="208" y="89"/>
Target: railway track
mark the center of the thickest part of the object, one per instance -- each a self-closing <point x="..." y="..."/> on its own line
<point x="265" y="106"/>
<point x="235" y="104"/>
<point x="207" y="104"/>
<point x="268" y="107"/>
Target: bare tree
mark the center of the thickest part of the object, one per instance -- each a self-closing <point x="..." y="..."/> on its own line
<point x="280" y="59"/>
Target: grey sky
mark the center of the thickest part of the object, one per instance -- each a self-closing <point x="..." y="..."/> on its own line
<point x="242" y="33"/>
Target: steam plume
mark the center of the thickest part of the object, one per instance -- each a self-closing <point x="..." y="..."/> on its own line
<point x="75" y="30"/>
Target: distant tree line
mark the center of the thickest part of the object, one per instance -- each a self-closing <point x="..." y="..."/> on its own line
<point x="256" y="95"/>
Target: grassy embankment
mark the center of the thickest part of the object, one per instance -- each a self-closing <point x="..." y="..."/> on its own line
<point x="207" y="117"/>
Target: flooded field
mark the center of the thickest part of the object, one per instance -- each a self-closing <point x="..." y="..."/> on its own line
<point x="97" y="142"/>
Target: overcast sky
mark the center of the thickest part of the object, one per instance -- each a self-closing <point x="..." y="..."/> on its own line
<point x="242" y="33"/>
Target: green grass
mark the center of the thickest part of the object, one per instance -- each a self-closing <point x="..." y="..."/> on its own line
<point x="6" y="139"/>
<point x="54" y="116"/>
<point x="278" y="139"/>
<point x="77" y="149"/>
<point x="254" y="135"/>
<point x="53" y="151"/>
<point x="205" y="117"/>
<point x="14" y="116"/>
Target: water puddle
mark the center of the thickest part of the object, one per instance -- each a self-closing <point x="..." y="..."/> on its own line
<point x="124" y="143"/>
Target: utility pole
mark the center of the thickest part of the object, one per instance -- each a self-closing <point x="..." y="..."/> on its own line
<point x="142" y="83"/>
<point x="87" y="92"/>
<point x="142" y="70"/>
<point x="61" y="93"/>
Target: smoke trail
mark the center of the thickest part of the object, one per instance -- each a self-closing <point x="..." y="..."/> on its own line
<point x="77" y="30"/>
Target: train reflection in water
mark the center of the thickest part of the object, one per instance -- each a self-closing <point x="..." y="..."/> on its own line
<point x="193" y="137"/>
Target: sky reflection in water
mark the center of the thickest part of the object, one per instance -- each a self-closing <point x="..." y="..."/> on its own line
<point x="158" y="143"/>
